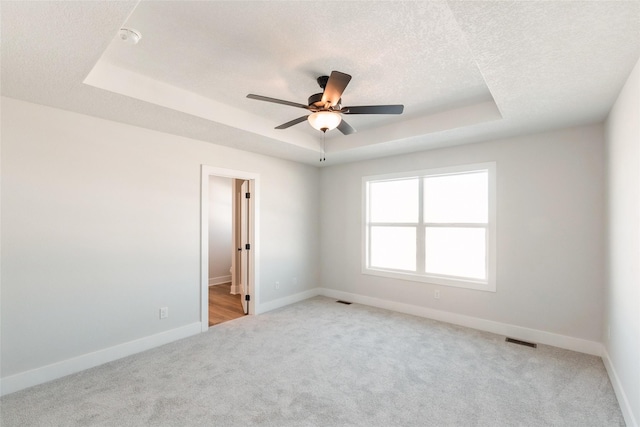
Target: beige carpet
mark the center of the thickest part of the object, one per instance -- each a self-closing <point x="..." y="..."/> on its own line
<point x="320" y="363"/>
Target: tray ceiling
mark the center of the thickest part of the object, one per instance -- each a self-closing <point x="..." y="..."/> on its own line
<point x="465" y="71"/>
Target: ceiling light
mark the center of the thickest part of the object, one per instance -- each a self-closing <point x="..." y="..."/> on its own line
<point x="129" y="36"/>
<point x="324" y="120"/>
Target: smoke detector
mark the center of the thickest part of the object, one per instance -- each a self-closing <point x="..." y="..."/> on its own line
<point x="129" y="35"/>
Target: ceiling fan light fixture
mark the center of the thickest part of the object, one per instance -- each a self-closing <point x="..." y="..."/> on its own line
<point x="324" y="120"/>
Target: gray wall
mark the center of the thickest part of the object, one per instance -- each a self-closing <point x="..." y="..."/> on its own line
<point x="101" y="228"/>
<point x="622" y="323"/>
<point x="550" y="236"/>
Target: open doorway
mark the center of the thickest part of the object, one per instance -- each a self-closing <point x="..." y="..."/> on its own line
<point x="229" y="267"/>
<point x="227" y="260"/>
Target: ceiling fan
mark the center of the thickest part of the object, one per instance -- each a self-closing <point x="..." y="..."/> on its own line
<point x="326" y="108"/>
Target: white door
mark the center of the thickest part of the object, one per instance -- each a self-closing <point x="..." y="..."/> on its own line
<point x="244" y="246"/>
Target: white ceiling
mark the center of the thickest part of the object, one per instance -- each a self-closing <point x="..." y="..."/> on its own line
<point x="465" y="71"/>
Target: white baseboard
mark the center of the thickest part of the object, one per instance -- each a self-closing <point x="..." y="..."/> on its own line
<point x="54" y="371"/>
<point x="282" y="302"/>
<point x="625" y="407"/>
<point x="518" y="332"/>
<point x="219" y="280"/>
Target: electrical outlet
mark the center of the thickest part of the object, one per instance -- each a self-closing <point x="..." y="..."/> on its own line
<point x="277" y="285"/>
<point x="436" y="294"/>
<point x="164" y="312"/>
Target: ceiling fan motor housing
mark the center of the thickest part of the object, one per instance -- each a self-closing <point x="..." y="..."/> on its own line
<point x="315" y="100"/>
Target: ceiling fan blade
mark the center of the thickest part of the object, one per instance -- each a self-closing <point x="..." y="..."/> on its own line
<point x="277" y="101"/>
<point x="292" y="122"/>
<point x="335" y="86"/>
<point x="375" y="109"/>
<point x="346" y="128"/>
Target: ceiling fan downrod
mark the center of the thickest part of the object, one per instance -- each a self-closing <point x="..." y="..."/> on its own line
<point x="322" y="81"/>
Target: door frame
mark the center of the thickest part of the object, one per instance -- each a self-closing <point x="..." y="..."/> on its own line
<point x="254" y="221"/>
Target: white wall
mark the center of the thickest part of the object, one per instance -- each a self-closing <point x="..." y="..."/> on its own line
<point x="622" y="322"/>
<point x="101" y="228"/>
<point x="550" y="236"/>
<point x="220" y="229"/>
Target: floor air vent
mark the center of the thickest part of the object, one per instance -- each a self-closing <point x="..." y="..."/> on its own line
<point x="343" y="302"/>
<point x="525" y="343"/>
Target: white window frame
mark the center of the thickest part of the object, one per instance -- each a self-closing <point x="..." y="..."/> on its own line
<point x="484" y="285"/>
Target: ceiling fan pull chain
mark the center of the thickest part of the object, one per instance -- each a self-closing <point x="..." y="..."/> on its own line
<point x="324" y="132"/>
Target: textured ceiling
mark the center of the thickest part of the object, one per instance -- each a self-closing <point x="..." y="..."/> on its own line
<point x="465" y="71"/>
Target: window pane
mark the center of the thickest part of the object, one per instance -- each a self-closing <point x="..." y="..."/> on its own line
<point x="456" y="252"/>
<point x="393" y="247"/>
<point x="456" y="198"/>
<point x="394" y="201"/>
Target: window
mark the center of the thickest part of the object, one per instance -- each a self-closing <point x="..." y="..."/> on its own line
<point x="435" y="226"/>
